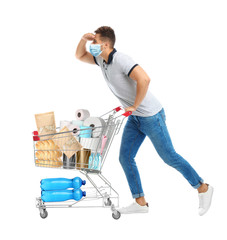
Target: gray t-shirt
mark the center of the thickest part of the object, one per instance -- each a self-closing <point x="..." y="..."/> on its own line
<point x="116" y="73"/>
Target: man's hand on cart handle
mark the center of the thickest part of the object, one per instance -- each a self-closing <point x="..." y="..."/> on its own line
<point x="130" y="109"/>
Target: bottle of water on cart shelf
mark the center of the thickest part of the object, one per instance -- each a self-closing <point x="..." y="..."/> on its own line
<point x="62" y="195"/>
<point x="61" y="183"/>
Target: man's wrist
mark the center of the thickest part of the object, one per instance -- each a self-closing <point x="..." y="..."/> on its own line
<point x="135" y="106"/>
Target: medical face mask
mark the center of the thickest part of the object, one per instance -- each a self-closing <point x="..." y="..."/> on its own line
<point x="95" y="49"/>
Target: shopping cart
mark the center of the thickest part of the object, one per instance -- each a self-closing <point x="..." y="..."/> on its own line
<point x="87" y="155"/>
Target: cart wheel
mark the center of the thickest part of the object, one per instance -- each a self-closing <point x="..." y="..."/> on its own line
<point x="43" y="213"/>
<point x="108" y="202"/>
<point x="117" y="215"/>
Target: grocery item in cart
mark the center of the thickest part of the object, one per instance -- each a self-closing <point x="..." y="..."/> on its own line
<point x="90" y="143"/>
<point x="104" y="140"/>
<point x="67" y="142"/>
<point x="61" y="137"/>
<point x="48" y="154"/>
<point x="71" y="147"/>
<point x="95" y="161"/>
<point x="45" y="123"/>
<point x="48" y="163"/>
<point x="77" y="122"/>
<point x="82" y="158"/>
<point x="85" y="132"/>
<point x="61" y="183"/>
<point x="97" y="123"/>
<point x="75" y="128"/>
<point x="82" y="114"/>
<point x="40" y="163"/>
<point x="46" y="145"/>
<point x="48" y="158"/>
<point x="69" y="163"/>
<point x="64" y="123"/>
<point x="62" y="195"/>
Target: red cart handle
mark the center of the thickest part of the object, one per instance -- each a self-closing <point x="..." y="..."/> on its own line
<point x="35" y="136"/>
<point x="126" y="114"/>
<point x="117" y="109"/>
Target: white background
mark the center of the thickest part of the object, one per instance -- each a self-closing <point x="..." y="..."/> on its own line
<point x="181" y="45"/>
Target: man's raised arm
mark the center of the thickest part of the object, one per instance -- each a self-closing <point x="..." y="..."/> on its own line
<point x="81" y="52"/>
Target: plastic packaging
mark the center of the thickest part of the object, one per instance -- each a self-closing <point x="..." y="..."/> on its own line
<point x="62" y="195"/>
<point x="69" y="163"/>
<point x="61" y="183"/>
<point x="95" y="161"/>
<point x="85" y="132"/>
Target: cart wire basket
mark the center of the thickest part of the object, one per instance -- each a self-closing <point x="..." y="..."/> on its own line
<point x="84" y="149"/>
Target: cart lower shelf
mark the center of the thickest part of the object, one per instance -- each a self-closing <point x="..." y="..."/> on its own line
<point x="104" y="197"/>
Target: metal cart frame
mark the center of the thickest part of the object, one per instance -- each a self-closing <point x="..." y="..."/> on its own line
<point x="105" y="194"/>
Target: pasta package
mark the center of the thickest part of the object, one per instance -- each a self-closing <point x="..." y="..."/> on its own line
<point x="52" y="164"/>
<point x="45" y="123"/>
<point x="65" y="140"/>
<point x="72" y="146"/>
<point x="48" y="154"/>
<point x="62" y="137"/>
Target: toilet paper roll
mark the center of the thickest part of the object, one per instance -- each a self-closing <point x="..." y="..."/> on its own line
<point x="95" y="122"/>
<point x="82" y="114"/>
<point x="90" y="143"/>
<point x="64" y="123"/>
<point x="77" y="122"/>
<point x="71" y="127"/>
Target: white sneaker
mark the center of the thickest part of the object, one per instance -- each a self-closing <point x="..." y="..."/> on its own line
<point x="134" y="208"/>
<point x="205" y="200"/>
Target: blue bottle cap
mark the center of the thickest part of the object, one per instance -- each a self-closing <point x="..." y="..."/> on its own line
<point x="83" y="182"/>
<point x="84" y="193"/>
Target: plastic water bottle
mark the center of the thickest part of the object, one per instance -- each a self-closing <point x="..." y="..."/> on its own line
<point x="61" y="183"/>
<point x="62" y="195"/>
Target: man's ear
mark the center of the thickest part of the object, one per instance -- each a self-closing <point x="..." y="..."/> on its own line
<point x="107" y="44"/>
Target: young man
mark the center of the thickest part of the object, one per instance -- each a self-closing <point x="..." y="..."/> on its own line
<point x="129" y="83"/>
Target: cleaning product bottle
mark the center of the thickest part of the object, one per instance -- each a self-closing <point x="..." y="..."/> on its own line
<point x="62" y="195"/>
<point x="61" y="183"/>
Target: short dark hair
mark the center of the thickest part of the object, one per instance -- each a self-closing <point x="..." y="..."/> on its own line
<point x="106" y="33"/>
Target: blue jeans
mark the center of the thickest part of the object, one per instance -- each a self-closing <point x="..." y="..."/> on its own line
<point x="134" y="133"/>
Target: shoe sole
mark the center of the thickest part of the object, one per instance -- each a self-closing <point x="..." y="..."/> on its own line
<point x="133" y="212"/>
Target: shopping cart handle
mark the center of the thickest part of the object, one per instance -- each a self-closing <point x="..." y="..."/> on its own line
<point x="35" y="136"/>
<point x="126" y="114"/>
<point x="117" y="109"/>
